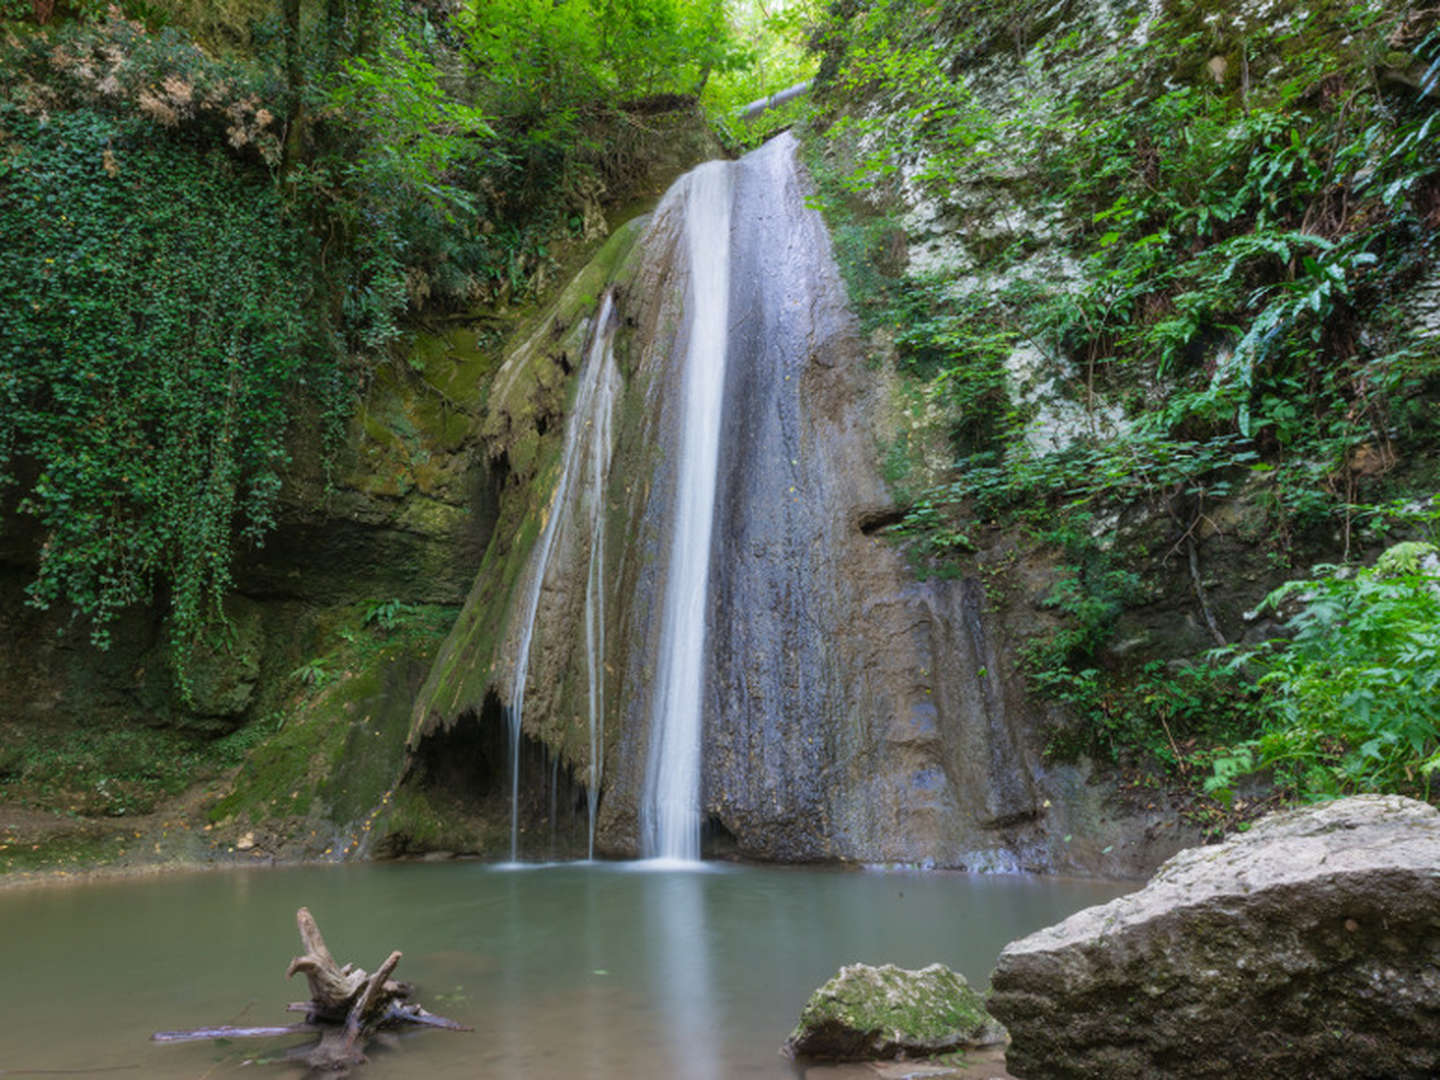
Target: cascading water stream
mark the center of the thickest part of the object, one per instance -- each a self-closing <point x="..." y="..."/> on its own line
<point x="589" y="422"/>
<point x="670" y="809"/>
<point x="722" y="565"/>
<point x="602" y="448"/>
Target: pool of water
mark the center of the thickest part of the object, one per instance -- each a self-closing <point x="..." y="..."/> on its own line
<point x="564" y="971"/>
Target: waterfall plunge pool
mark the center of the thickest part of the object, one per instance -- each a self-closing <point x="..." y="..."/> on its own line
<point x="569" y="970"/>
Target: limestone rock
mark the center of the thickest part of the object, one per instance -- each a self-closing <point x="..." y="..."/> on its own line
<point x="1306" y="947"/>
<point x="867" y="1013"/>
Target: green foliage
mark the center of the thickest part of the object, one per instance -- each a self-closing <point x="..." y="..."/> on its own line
<point x="1226" y="237"/>
<point x="410" y="135"/>
<point x="314" y="672"/>
<point x="148" y="362"/>
<point x="1227" y="251"/>
<point x="449" y="151"/>
<point x="118" y="69"/>
<point x="934" y="539"/>
<point x="1352" y="698"/>
<point x="40" y="12"/>
<point x="1149" y="713"/>
<point x="387" y="178"/>
<point x="1152" y="709"/>
<point x="543" y="59"/>
<point x="389" y="614"/>
<point x="774" y="40"/>
<point x="548" y="72"/>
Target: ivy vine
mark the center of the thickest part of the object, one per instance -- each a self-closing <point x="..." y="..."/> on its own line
<point x="150" y="358"/>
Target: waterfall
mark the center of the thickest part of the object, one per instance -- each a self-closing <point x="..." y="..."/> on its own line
<point x="595" y="672"/>
<point x="670" y="809"/>
<point x="706" y="564"/>
<point x="602" y="448"/>
<point x="589" y="424"/>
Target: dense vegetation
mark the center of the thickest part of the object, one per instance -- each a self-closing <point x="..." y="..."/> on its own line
<point x="1185" y="308"/>
<point x="217" y="219"/>
<point x="1203" y="225"/>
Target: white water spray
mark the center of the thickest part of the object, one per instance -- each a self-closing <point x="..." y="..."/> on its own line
<point x="670" y="810"/>
<point x="589" y="417"/>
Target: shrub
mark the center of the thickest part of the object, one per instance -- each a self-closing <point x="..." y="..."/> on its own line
<point x="1353" y="699"/>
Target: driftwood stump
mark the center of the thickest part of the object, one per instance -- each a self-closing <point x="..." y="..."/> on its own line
<point x="346" y="1007"/>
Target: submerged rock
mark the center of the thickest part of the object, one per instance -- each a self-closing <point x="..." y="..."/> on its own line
<point x="867" y="1013"/>
<point x="1309" y="946"/>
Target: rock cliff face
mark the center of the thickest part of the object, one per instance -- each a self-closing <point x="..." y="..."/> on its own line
<point x="390" y="529"/>
<point x="850" y="711"/>
<point x="1308" y="946"/>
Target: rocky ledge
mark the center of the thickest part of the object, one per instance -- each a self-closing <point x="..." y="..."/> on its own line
<point x="1306" y="947"/>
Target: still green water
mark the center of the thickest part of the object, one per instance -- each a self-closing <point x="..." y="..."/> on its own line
<point x="565" y="971"/>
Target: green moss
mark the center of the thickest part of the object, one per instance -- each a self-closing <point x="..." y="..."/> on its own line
<point x="341" y="743"/>
<point x="888" y="1000"/>
<point x="279" y="777"/>
<point x="414" y="822"/>
<point x="432" y="518"/>
<point x="466" y="662"/>
<point x="454" y="367"/>
<point x="465" y="667"/>
<point x="610" y="266"/>
<point x="62" y="853"/>
<point x="105" y="771"/>
<point x="885" y="1011"/>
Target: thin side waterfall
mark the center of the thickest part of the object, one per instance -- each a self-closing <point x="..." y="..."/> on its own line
<point x="602" y="448"/>
<point x="594" y="672"/>
<point x="599" y="362"/>
<point x="670" y="809"/>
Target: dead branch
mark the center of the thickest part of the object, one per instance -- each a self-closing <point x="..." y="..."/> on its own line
<point x="225" y="1031"/>
<point x="347" y="1007"/>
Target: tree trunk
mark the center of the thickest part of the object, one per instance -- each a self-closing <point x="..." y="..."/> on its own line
<point x="295" y="118"/>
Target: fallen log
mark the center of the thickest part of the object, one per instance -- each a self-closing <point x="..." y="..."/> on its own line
<point x="347" y="1007"/>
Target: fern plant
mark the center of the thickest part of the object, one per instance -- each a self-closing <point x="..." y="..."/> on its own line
<point x="1353" y="698"/>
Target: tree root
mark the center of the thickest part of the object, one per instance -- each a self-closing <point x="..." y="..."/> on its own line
<point x="347" y="1007"/>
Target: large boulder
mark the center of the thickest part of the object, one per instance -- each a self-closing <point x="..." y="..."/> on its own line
<point x="871" y="1013"/>
<point x="1306" y="947"/>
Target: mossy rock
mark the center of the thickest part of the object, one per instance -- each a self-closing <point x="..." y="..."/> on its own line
<point x="339" y="743"/>
<point x="223" y="668"/>
<point x="870" y="1013"/>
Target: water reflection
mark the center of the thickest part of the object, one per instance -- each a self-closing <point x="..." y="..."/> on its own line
<point x="680" y="962"/>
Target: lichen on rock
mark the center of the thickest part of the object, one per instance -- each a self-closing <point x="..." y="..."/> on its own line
<point x="872" y="1013"/>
